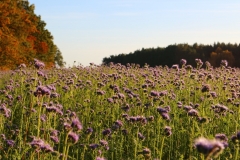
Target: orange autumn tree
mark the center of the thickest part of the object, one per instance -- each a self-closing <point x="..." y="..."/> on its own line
<point x="23" y="36"/>
<point x="15" y="26"/>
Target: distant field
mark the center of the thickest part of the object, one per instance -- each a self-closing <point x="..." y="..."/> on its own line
<point x="120" y="112"/>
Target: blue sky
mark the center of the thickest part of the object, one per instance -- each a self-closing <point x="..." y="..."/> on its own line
<point x="88" y="30"/>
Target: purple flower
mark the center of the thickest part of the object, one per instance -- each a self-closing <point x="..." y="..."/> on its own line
<point x="39" y="144"/>
<point x="209" y="147"/>
<point x="121" y="96"/>
<point x="154" y="93"/>
<point x="54" y="109"/>
<point x="40" y="73"/>
<point x="221" y="137"/>
<point x="73" y="137"/>
<point x="67" y="126"/>
<point x="146" y="152"/>
<point x="41" y="91"/>
<point x="10" y="143"/>
<point x="46" y="148"/>
<point x="163" y="93"/>
<point x="126" y="108"/>
<point x="165" y="116"/>
<point x="187" y="108"/>
<point x="103" y="142"/>
<point x="140" y="136"/>
<point x="22" y="65"/>
<point x="76" y="124"/>
<point x="117" y="124"/>
<point x="100" y="92"/>
<point x="110" y="100"/>
<point x="206" y="88"/>
<point x="168" y="131"/>
<point x="183" y="62"/>
<point x="193" y="112"/>
<point x="55" y="139"/>
<point x="224" y="63"/>
<point x="107" y="132"/>
<point x="150" y="118"/>
<point x="162" y="110"/>
<point x="38" y="64"/>
<point x="89" y="130"/>
<point x="175" y="66"/>
<point x="54" y="132"/>
<point x="213" y="94"/>
<point x="5" y="110"/>
<point x="93" y="146"/>
<point x="43" y="117"/>
<point x="10" y="97"/>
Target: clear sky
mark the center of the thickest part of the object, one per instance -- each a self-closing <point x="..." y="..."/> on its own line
<point x="88" y="30"/>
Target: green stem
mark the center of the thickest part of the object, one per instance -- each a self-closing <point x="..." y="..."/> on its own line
<point x="161" y="151"/>
<point x="65" y="146"/>
<point x="236" y="153"/>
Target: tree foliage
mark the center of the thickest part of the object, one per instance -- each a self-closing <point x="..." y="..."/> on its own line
<point x="172" y="54"/>
<point x="23" y="36"/>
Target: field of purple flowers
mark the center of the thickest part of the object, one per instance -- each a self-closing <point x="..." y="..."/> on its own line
<point x="120" y="112"/>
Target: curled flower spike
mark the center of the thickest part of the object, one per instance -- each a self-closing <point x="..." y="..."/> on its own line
<point x="140" y="136"/>
<point x="5" y="110"/>
<point x="10" y="143"/>
<point x="107" y="132"/>
<point x="39" y="144"/>
<point x="117" y="124"/>
<point x="89" y="130"/>
<point x="76" y="124"/>
<point x="168" y="131"/>
<point x="206" y="88"/>
<point x="41" y="91"/>
<point x="38" y="64"/>
<point x="224" y="63"/>
<point x="183" y="62"/>
<point x="193" y="113"/>
<point x="210" y="148"/>
<point x="93" y="146"/>
<point x="73" y="137"/>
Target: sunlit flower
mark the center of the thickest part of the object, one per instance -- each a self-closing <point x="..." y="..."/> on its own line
<point x="210" y="148"/>
<point x="73" y="137"/>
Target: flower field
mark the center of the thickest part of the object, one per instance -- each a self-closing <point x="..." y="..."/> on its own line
<point x="118" y="112"/>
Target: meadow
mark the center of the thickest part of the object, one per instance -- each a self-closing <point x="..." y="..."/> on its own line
<point x="118" y="112"/>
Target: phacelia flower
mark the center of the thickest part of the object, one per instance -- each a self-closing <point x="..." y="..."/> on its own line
<point x="183" y="62"/>
<point x="224" y="63"/>
<point x="168" y="131"/>
<point x="93" y="146"/>
<point x="140" y="136"/>
<point x="38" y="64"/>
<point x="107" y="132"/>
<point x="73" y="137"/>
<point x="76" y="124"/>
<point x="206" y="88"/>
<point x="210" y="148"/>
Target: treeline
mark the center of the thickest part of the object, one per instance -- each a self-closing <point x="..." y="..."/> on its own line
<point x="23" y="37"/>
<point x="172" y="54"/>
